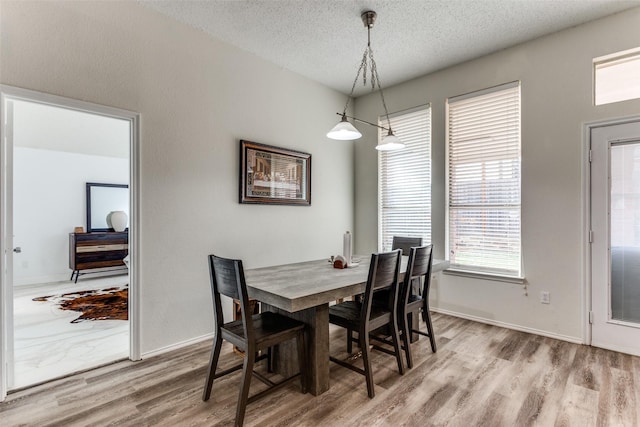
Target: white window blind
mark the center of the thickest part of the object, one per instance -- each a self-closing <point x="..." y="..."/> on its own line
<point x="484" y="181"/>
<point x="404" y="179"/>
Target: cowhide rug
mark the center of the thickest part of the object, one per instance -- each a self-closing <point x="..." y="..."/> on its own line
<point x="100" y="304"/>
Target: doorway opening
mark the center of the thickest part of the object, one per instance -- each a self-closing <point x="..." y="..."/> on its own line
<point x="53" y="326"/>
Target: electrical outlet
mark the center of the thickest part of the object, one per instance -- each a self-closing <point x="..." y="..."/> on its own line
<point x="545" y="297"/>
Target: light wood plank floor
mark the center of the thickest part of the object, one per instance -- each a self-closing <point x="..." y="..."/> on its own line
<point x="481" y="376"/>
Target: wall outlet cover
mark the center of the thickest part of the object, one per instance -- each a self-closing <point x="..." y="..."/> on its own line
<point x="545" y="297"/>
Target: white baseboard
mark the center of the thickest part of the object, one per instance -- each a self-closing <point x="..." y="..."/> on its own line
<point x="36" y="280"/>
<point x="177" y="346"/>
<point x="567" y="338"/>
<point x="575" y="340"/>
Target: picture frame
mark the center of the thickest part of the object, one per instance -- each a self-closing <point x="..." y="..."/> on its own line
<point x="274" y="175"/>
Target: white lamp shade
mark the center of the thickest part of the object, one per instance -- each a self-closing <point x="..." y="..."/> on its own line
<point x="390" y="142"/>
<point x="344" y="131"/>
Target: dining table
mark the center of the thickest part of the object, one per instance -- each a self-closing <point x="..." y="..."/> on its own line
<point x="304" y="291"/>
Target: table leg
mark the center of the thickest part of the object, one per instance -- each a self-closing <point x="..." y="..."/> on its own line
<point x="317" y="343"/>
<point x="415" y="324"/>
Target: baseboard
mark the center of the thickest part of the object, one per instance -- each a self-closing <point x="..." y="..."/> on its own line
<point x="177" y="346"/>
<point x="36" y="280"/>
<point x="567" y="338"/>
<point x="520" y="328"/>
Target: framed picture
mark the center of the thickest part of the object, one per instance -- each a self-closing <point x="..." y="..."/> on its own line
<point x="272" y="175"/>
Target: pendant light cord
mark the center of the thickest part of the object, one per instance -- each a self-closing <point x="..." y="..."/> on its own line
<point x="375" y="78"/>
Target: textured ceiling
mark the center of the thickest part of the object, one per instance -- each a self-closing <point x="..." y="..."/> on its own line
<point x="324" y="39"/>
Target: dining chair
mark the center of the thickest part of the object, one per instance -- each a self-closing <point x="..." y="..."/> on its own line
<point x="402" y="243"/>
<point x="253" y="334"/>
<point x="412" y="300"/>
<point x="405" y="243"/>
<point x="363" y="317"/>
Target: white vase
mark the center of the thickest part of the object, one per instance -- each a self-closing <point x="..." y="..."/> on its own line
<point x="118" y="220"/>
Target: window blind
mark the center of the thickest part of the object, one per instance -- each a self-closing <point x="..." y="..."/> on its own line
<point x="404" y="179"/>
<point x="484" y="181"/>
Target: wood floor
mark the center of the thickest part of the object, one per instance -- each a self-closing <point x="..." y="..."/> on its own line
<point x="481" y="376"/>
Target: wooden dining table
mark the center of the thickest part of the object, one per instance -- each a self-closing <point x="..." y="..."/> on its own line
<point x="304" y="291"/>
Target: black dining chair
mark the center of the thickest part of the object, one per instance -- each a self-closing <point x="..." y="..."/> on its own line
<point x="364" y="317"/>
<point x="402" y="243"/>
<point x="253" y="334"/>
<point x="405" y="243"/>
<point x="414" y="297"/>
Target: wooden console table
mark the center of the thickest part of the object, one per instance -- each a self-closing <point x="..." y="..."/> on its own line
<point x="88" y="251"/>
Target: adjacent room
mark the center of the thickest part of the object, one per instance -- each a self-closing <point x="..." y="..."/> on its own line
<point x="378" y="212"/>
<point x="83" y="156"/>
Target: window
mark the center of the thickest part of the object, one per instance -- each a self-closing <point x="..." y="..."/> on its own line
<point x="617" y="77"/>
<point x="483" y="142"/>
<point x="404" y="179"/>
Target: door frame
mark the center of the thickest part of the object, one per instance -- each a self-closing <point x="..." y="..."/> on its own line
<point x="9" y="93"/>
<point x="587" y="289"/>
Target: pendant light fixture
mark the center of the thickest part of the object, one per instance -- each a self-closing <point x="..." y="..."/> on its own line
<point x="344" y="130"/>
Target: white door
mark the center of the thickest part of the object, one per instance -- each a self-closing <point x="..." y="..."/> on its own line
<point x="6" y="245"/>
<point x="615" y="248"/>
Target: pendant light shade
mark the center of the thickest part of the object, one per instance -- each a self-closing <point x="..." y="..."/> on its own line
<point x="344" y="131"/>
<point x="390" y="142"/>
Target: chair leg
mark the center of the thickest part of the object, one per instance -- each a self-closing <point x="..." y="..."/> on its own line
<point x="406" y="338"/>
<point x="247" y="373"/>
<point x="395" y="336"/>
<point x="364" y="346"/>
<point x="213" y="364"/>
<point x="349" y="340"/>
<point x="432" y="337"/>
<point x="302" y="361"/>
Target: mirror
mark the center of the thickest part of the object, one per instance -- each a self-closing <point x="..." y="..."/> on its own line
<point x="103" y="199"/>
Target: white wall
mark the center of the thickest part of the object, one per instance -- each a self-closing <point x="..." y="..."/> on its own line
<point x="197" y="98"/>
<point x="49" y="201"/>
<point x="556" y="76"/>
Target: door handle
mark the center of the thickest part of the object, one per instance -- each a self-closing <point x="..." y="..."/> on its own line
<point x="17" y="250"/>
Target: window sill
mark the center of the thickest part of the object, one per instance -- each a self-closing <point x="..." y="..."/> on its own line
<point x="485" y="276"/>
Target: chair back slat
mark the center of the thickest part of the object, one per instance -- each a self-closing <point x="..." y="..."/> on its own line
<point x="405" y="243"/>
<point x="227" y="278"/>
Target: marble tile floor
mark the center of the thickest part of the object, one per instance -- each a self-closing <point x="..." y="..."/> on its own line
<point x="48" y="346"/>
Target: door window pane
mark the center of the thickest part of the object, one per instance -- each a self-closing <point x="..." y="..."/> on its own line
<point x="625" y="232"/>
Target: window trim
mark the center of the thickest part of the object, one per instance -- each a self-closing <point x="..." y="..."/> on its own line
<point x="520" y="280"/>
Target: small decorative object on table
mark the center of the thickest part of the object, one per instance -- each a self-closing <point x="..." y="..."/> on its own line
<point x="347" y="248"/>
<point x="340" y="262"/>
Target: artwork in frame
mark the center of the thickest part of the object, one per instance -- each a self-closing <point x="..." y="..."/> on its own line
<point x="273" y="175"/>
